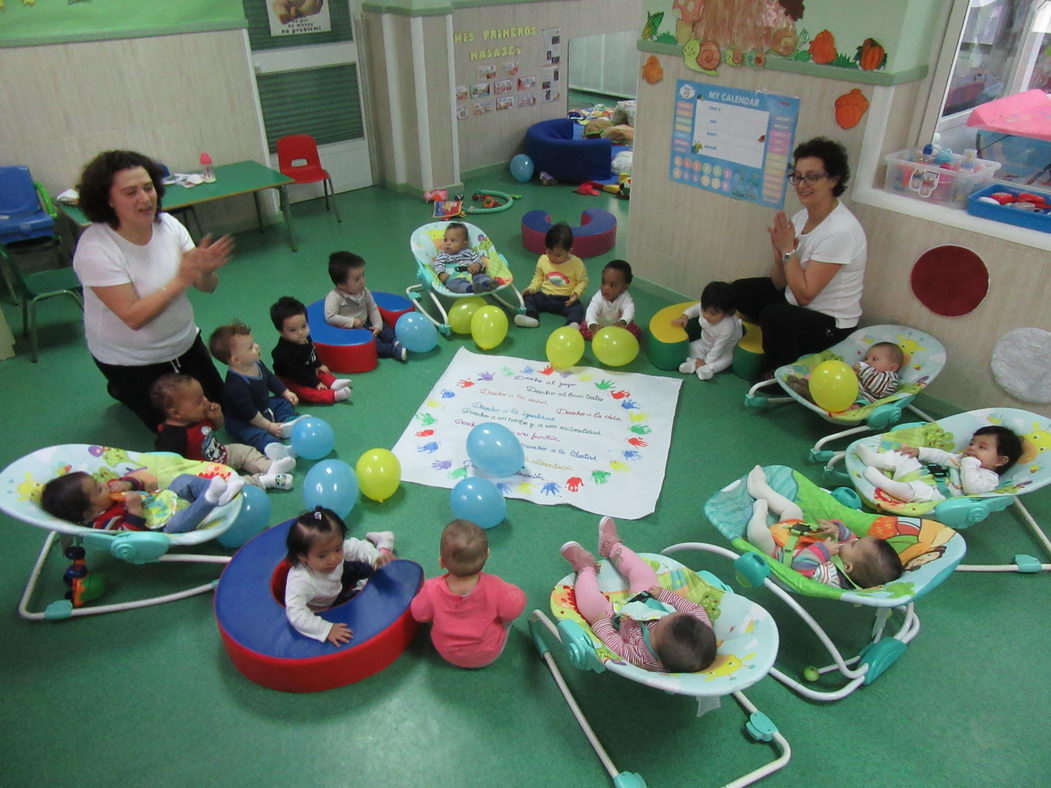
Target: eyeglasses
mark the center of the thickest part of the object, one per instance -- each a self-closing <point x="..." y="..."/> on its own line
<point x="795" y="178"/>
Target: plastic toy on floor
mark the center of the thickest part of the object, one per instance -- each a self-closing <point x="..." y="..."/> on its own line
<point x="1030" y="473"/>
<point x="426" y="242"/>
<point x="747" y="641"/>
<point x="928" y="551"/>
<point x="491" y="201"/>
<point x="20" y="486"/>
<point x="924" y="360"/>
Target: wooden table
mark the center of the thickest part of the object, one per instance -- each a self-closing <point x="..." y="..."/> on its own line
<point x="231" y="180"/>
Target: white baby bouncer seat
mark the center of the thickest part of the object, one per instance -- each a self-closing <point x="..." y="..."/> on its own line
<point x="924" y="360"/>
<point x="747" y="645"/>
<point x="425" y="243"/>
<point x="22" y="481"/>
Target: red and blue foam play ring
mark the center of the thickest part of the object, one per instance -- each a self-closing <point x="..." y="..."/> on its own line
<point x="596" y="234"/>
<point x="266" y="649"/>
<point x="343" y="350"/>
<point x="392" y="306"/>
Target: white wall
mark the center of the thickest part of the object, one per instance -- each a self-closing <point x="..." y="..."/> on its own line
<point x="605" y="63"/>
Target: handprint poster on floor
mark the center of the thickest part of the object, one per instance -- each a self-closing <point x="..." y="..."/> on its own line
<point x="593" y="438"/>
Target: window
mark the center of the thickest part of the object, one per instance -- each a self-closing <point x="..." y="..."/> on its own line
<point x="1004" y="49"/>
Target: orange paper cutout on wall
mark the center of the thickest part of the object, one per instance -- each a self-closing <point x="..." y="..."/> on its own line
<point x="652" y="71"/>
<point x="850" y="107"/>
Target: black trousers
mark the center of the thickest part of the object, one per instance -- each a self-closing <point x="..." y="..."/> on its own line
<point x="131" y="385"/>
<point x="789" y="331"/>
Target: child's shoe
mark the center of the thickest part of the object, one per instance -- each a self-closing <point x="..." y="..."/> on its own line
<point x="525" y="321"/>
<point x="688" y="367"/>
<point x="279" y="451"/>
<point x="340" y="394"/>
<point x="384" y="540"/>
<point x="341" y="383"/>
<point x="399" y="351"/>
<point x="276" y="481"/>
<point x="578" y="557"/>
<point x="607" y="536"/>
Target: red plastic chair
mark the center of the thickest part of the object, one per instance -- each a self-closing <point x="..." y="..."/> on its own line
<point x="298" y="158"/>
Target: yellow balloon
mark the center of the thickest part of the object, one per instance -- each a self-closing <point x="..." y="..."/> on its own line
<point x="461" y="313"/>
<point x="615" y="346"/>
<point x="833" y="386"/>
<point x="379" y="474"/>
<point x="565" y="346"/>
<point x="489" y="327"/>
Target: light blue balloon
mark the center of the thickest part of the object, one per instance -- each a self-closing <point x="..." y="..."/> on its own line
<point x="521" y="168"/>
<point x="495" y="450"/>
<point x="479" y="501"/>
<point x="253" y="518"/>
<point x="416" y="332"/>
<point x="332" y="484"/>
<point x="312" y="438"/>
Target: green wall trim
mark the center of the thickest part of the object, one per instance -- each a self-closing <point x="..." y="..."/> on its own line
<point x="807" y="69"/>
<point x="103" y="35"/>
<point x="485" y="170"/>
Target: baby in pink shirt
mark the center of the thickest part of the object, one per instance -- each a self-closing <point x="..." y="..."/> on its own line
<point x="471" y="610"/>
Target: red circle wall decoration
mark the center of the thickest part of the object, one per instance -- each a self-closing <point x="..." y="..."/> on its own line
<point x="950" y="280"/>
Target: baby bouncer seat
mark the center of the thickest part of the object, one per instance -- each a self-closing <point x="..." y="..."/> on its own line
<point x="1030" y="473"/>
<point x="747" y="645"/>
<point x="928" y="550"/>
<point x="22" y="481"/>
<point x="924" y="360"/>
<point x="426" y="243"/>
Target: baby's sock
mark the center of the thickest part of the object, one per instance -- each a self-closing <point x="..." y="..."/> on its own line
<point x="339" y="395"/>
<point x="758" y="531"/>
<point x="688" y="367"/>
<point x="870" y="457"/>
<point x="340" y="383"/>
<point x="276" y="481"/>
<point x="384" y="540"/>
<point x="900" y="490"/>
<point x="233" y="487"/>
<point x="781" y="506"/>
<point x="278" y="451"/>
<point x="283" y="465"/>
<point x="705" y="372"/>
<point x="287" y="426"/>
<point x="216" y="488"/>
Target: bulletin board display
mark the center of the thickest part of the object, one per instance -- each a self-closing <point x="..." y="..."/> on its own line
<point x="733" y="142"/>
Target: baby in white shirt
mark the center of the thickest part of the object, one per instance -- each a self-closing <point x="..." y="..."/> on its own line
<point x="612" y="305"/>
<point x="720" y="331"/>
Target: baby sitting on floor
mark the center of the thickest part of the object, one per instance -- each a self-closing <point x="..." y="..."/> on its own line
<point x="830" y="553"/>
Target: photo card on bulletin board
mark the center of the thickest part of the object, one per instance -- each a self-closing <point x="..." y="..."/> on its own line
<point x="487" y="71"/>
<point x="736" y="143"/>
<point x="505" y="102"/>
<point x="511" y="69"/>
<point x="461" y="112"/>
<point x="526" y="99"/>
<point x="527" y="82"/>
<point x="552" y="37"/>
<point x="480" y="89"/>
<point x="461" y="93"/>
<point x="503" y="86"/>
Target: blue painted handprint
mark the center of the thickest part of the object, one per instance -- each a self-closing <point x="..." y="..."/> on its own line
<point x="629" y="404"/>
<point x="551" y="488"/>
<point x="446" y="393"/>
<point x="427" y="448"/>
<point x="503" y="487"/>
<point x="631" y="454"/>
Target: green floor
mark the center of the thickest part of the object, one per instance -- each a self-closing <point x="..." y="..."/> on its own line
<point x="149" y="696"/>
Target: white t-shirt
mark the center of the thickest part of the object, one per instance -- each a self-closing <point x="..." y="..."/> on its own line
<point x="839" y="239"/>
<point x="103" y="259"/>
<point x="609" y="313"/>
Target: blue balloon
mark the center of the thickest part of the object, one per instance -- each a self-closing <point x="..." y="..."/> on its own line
<point x="312" y="438"/>
<point x="332" y="484"/>
<point x="416" y="332"/>
<point x="495" y="450"/>
<point x="253" y="518"/>
<point x="479" y="501"/>
<point x="521" y="168"/>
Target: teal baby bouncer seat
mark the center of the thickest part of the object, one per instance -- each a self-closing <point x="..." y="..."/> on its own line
<point x="425" y="243"/>
<point x="1031" y="473"/>
<point x="924" y="360"/>
<point x="747" y="645"/>
<point x="929" y="552"/>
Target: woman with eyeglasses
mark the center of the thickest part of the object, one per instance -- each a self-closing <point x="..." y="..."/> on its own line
<point x="812" y="298"/>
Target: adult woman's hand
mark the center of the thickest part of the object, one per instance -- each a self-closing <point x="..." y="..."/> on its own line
<point x="782" y="235"/>
<point x="198" y="265"/>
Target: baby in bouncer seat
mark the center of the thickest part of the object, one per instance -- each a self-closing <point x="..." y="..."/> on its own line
<point x="830" y="553"/>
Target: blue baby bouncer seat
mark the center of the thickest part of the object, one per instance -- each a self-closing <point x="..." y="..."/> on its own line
<point x="924" y="360"/>
<point x="22" y="481"/>
<point x="928" y="550"/>
<point x="1029" y="474"/>
<point x="425" y="243"/>
<point x="747" y="645"/>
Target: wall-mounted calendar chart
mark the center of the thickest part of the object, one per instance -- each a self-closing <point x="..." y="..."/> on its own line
<point x="733" y="142"/>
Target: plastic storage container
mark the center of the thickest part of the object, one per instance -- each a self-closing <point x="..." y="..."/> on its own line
<point x="949" y="186"/>
<point x="1003" y="213"/>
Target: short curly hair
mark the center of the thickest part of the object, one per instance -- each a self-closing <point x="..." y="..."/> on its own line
<point x="97" y="179"/>
<point x="832" y="154"/>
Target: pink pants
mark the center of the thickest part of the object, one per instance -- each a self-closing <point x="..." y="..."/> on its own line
<point x="311" y="394"/>
<point x="632" y="327"/>
<point x="592" y="603"/>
